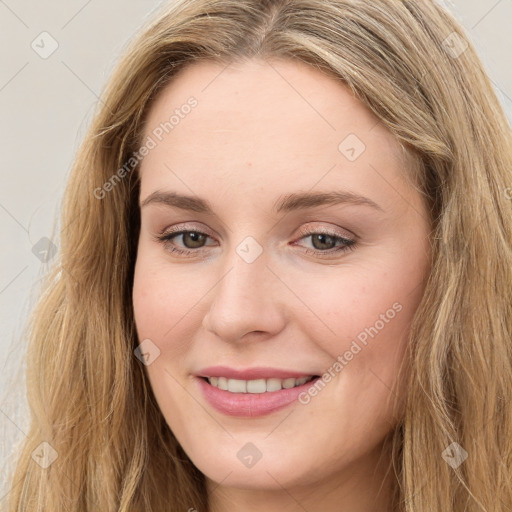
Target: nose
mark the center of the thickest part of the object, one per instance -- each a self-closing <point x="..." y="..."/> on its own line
<point x="247" y="302"/>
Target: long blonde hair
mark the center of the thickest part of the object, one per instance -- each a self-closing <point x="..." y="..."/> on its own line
<point x="410" y="63"/>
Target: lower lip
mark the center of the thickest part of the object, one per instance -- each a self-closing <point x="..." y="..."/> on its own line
<point x="251" y="404"/>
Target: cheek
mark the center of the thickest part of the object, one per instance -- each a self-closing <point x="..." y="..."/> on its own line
<point x="361" y="319"/>
<point x="164" y="301"/>
<point x="161" y="301"/>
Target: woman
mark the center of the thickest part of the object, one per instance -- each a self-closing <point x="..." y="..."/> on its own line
<point x="285" y="272"/>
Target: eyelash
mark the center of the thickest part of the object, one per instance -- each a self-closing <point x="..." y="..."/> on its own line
<point x="166" y="237"/>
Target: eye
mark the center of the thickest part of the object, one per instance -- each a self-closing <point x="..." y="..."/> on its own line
<point x="192" y="240"/>
<point x="324" y="242"/>
<point x="327" y="242"/>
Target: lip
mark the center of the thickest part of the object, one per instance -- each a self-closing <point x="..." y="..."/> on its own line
<point x="259" y="372"/>
<point x="250" y="405"/>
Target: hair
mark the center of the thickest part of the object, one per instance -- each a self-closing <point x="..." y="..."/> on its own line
<point x="89" y="396"/>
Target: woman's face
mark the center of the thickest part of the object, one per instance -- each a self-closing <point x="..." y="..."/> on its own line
<point x="304" y="254"/>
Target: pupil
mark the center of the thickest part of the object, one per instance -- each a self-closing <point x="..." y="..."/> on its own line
<point x="196" y="238"/>
<point x="322" y="239"/>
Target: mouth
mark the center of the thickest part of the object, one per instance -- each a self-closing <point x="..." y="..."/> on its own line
<point x="257" y="386"/>
<point x="253" y="398"/>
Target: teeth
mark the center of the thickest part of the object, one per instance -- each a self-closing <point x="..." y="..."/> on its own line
<point x="256" y="386"/>
<point x="253" y="386"/>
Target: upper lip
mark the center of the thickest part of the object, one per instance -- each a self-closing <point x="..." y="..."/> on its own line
<point x="259" y="372"/>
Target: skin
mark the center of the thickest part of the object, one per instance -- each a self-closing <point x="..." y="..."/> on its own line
<point x="261" y="130"/>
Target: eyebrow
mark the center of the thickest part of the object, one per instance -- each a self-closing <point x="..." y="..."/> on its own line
<point x="287" y="203"/>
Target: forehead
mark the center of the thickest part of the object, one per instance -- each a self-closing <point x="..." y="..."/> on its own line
<point x="243" y="95"/>
<point x="266" y="126"/>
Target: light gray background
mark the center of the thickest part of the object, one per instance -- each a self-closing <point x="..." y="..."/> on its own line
<point x="46" y="105"/>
